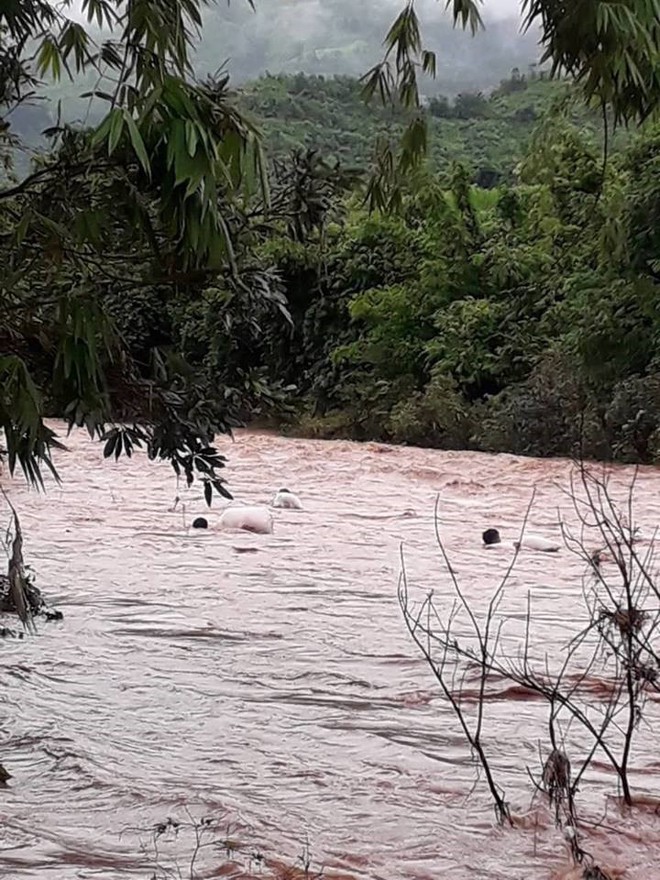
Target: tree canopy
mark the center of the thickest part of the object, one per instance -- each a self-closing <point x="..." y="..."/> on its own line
<point x="154" y="270"/>
<point x="488" y="132"/>
<point x="521" y="318"/>
<point x="611" y="50"/>
<point x="146" y="203"/>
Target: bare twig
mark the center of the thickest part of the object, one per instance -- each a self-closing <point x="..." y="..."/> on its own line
<point x="621" y="601"/>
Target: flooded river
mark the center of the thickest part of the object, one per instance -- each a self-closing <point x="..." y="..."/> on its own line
<point x="278" y="689"/>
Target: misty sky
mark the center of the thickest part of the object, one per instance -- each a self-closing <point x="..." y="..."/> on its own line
<point x="304" y="13"/>
<point x="492" y="9"/>
<point x="345" y="37"/>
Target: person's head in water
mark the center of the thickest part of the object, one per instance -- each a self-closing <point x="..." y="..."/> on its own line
<point x="200" y="523"/>
<point x="491" y="536"/>
<point x="284" y="490"/>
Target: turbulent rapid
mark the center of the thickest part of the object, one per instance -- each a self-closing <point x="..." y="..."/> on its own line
<point x="269" y="679"/>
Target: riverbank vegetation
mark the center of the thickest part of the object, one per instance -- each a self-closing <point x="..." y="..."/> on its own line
<point x="520" y="317"/>
<point x="162" y="282"/>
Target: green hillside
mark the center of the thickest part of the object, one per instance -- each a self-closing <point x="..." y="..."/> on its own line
<point x="490" y="133"/>
<point x="329" y="114"/>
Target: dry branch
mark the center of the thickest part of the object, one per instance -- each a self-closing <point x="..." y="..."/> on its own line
<point x="597" y="692"/>
<point x="18" y="583"/>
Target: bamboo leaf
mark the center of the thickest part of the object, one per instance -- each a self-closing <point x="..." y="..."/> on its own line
<point x="116" y="129"/>
<point x="137" y="142"/>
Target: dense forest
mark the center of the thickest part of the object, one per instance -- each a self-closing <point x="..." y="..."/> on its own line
<point x="329" y="114"/>
<point x="488" y="132"/>
<point x="519" y="315"/>
<point x="170" y="279"/>
<point x="520" y="318"/>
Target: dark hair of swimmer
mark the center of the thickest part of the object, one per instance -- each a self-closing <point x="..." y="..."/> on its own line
<point x="284" y="490"/>
<point x="200" y="523"/>
<point x="491" y="536"/>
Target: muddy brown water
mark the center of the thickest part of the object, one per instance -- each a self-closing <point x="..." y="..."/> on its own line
<point x="278" y="689"/>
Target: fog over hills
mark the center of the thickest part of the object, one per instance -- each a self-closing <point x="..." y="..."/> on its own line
<point x="345" y="37"/>
<point x="320" y="37"/>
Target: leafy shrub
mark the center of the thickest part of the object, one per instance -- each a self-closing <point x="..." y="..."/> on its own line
<point x="437" y="417"/>
<point x="336" y="425"/>
<point x="547" y="415"/>
<point x="471" y="105"/>
<point x="633" y="419"/>
<point x="525" y="114"/>
<point x="466" y="344"/>
<point x="440" y="107"/>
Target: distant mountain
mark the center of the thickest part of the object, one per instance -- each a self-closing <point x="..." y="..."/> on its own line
<point x="329" y="114"/>
<point x="325" y="37"/>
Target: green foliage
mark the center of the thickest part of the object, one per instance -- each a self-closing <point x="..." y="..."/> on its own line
<point x="546" y="414"/>
<point x="643" y="214"/>
<point x="522" y="318"/>
<point x="611" y="50"/>
<point x="438" y="416"/>
<point x="470" y="106"/>
<point x="160" y="284"/>
<point x="468" y="343"/>
<point x="633" y="418"/>
<point x="121" y="220"/>
<point x="328" y="115"/>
